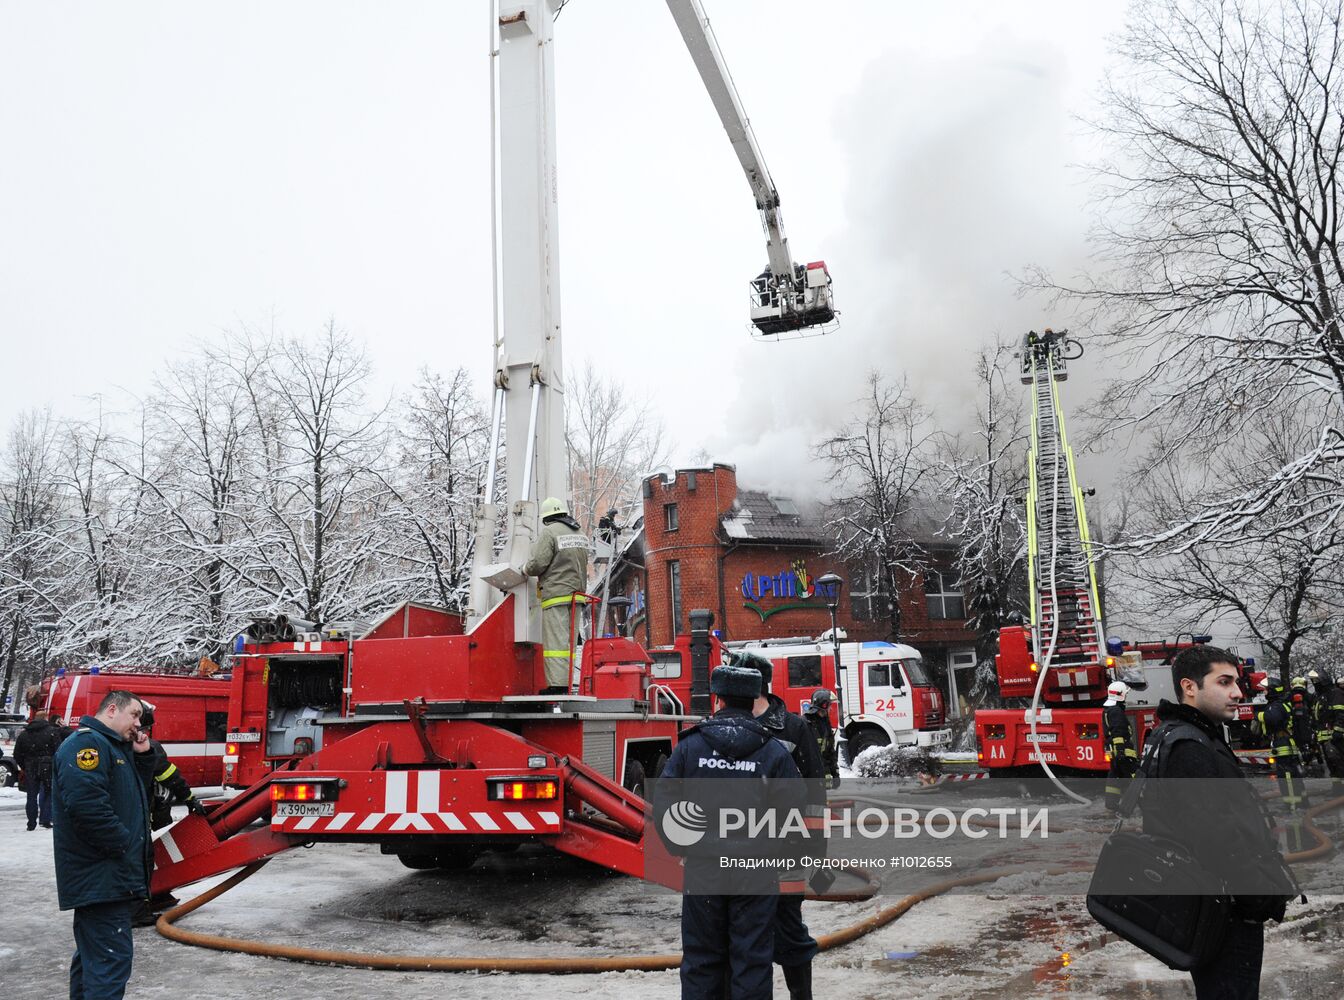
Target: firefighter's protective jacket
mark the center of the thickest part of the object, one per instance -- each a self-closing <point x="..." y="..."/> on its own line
<point x="100" y="812"/>
<point x="559" y="558"/>
<point x="163" y="781"/>
<point x="1116" y="731"/>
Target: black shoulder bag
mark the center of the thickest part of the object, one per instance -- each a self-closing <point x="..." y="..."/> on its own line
<point x="1153" y="893"/>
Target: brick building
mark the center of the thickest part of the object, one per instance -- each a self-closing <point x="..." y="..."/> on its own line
<point x="754" y="558"/>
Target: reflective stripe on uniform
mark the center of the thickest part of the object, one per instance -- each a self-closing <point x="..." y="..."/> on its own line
<point x="551" y="602"/>
<point x="563" y="653"/>
<point x="168" y="772"/>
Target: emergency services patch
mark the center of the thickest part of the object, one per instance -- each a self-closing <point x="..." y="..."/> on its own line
<point x="87" y="759"/>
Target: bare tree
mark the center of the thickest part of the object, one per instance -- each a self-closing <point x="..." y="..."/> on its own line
<point x="434" y="487"/>
<point x="1281" y="583"/>
<point x="199" y="424"/>
<point x="29" y="506"/>
<point x="315" y="531"/>
<point x="986" y="482"/>
<point x="1220" y="243"/>
<point x="882" y="464"/>
<point x="612" y="441"/>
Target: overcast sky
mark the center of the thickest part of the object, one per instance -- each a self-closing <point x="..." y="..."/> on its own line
<point x="172" y="171"/>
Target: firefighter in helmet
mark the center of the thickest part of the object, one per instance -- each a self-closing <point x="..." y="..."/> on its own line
<point x="1331" y="729"/>
<point x="1276" y="722"/>
<point x="818" y="716"/>
<point x="166" y="787"/>
<point x="1119" y="738"/>
<point x="162" y="779"/>
<point x="1301" y="706"/>
<point x="559" y="560"/>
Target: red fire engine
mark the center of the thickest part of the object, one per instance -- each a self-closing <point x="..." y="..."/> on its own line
<point x="1057" y="666"/>
<point x="425" y="734"/>
<point x="190" y="712"/>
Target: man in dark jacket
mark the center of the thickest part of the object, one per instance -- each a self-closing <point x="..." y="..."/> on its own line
<point x="1215" y="813"/>
<point x="166" y="788"/>
<point x="1119" y="739"/>
<point x="1275" y="720"/>
<point x="163" y="781"/>
<point x="102" y="846"/>
<point x="33" y="751"/>
<point x="795" y="947"/>
<point x="727" y="939"/>
<point x="817" y="714"/>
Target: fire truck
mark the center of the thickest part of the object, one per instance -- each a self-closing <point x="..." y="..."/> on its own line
<point x="889" y="698"/>
<point x="1058" y="664"/>
<point x="425" y="734"/>
<point x="1057" y="667"/>
<point x="190" y="712"/>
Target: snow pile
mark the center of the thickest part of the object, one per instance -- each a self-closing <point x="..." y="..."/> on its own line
<point x="895" y="762"/>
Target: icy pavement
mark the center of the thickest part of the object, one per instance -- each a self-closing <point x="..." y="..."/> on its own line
<point x="1018" y="939"/>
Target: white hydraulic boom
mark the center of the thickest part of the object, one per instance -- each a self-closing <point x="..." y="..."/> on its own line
<point x="787" y="298"/>
<point x="528" y="381"/>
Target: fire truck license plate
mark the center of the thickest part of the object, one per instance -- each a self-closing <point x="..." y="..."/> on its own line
<point x="1041" y="738"/>
<point x="284" y="809"/>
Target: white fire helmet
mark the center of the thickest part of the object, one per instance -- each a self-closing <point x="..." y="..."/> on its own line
<point x="1263" y="683"/>
<point x="1117" y="691"/>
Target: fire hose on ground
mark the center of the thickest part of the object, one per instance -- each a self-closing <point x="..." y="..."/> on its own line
<point x="166" y="926"/>
<point x="555" y="966"/>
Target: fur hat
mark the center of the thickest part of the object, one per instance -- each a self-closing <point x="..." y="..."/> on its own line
<point x="752" y="661"/>
<point x="735" y="682"/>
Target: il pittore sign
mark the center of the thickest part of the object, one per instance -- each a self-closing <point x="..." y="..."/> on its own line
<point x="794" y="585"/>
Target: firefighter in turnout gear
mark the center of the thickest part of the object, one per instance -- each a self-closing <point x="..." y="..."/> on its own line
<point x="166" y="788"/>
<point x="1330" y="728"/>
<point x="1119" y="739"/>
<point x="559" y="560"/>
<point x="1276" y="722"/>
<point x="1302" y="708"/>
<point x="818" y="716"/>
<point x="163" y="781"/>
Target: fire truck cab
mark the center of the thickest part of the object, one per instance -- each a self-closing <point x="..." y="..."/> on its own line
<point x="889" y="698"/>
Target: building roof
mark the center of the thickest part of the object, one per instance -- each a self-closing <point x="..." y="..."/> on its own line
<point x="759" y="517"/>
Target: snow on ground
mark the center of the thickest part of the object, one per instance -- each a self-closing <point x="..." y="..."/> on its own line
<point x="534" y="903"/>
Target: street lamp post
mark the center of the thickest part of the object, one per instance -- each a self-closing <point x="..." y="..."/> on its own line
<point x="830" y="585"/>
<point x="46" y="631"/>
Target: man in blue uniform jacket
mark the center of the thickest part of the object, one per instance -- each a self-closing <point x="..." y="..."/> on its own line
<point x="103" y="852"/>
<point x="727" y="938"/>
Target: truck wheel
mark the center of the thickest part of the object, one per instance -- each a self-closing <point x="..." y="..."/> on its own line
<point x="420" y="862"/>
<point x="634" y="777"/>
<point x="659" y="763"/>
<point x="864" y="739"/>
<point x="9" y="774"/>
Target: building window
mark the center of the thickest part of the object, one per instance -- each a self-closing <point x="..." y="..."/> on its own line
<point x="805" y="671"/>
<point x="674" y="592"/>
<point x="670" y="520"/>
<point x="867" y="601"/>
<point x="942" y="594"/>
